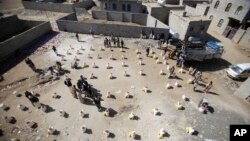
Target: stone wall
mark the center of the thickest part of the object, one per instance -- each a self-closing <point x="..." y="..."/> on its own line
<point x="135" y="7"/>
<point x="106" y="29"/>
<point x="137" y="18"/>
<point x="9" y="28"/>
<point x="57" y="7"/>
<point x="162" y="13"/>
<point x="153" y="22"/>
<point x="10" y="45"/>
<point x="80" y="11"/>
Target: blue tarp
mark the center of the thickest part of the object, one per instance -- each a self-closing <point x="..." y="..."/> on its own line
<point x="213" y="45"/>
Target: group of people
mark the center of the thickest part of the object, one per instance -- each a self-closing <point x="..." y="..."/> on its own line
<point x="115" y="41"/>
<point x="197" y="79"/>
<point x="83" y="87"/>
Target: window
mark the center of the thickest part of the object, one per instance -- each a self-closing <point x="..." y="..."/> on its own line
<point x="216" y="4"/>
<point x="238" y="11"/>
<point x="220" y="23"/>
<point x="228" y="7"/>
<point x="128" y="7"/>
<point x="123" y="7"/>
<point x="211" y="17"/>
<point x="202" y="27"/>
<point x="114" y="6"/>
<point x="191" y="29"/>
<point x="105" y="6"/>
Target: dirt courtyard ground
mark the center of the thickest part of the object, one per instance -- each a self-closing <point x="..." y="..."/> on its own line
<point x="226" y="109"/>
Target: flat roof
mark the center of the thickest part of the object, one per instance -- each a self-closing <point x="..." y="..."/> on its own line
<point x="189" y="16"/>
<point x="166" y="5"/>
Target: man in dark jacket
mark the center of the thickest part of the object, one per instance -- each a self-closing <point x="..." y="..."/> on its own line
<point x="97" y="101"/>
<point x="33" y="99"/>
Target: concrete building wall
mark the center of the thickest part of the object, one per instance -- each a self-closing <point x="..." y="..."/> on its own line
<point x="190" y="9"/>
<point x="137" y="18"/>
<point x="80" y="11"/>
<point x="245" y="40"/>
<point x="201" y="9"/>
<point x="127" y="17"/>
<point x="106" y="29"/>
<point x="244" y="89"/>
<point x="102" y="15"/>
<point x="140" y="19"/>
<point x="114" y="16"/>
<point x="135" y="7"/>
<point x="178" y="25"/>
<point x="197" y="29"/>
<point x="162" y="13"/>
<point x="153" y="22"/>
<point x="239" y="34"/>
<point x="8" y="27"/>
<point x="9" y="46"/>
<point x="220" y="13"/>
<point x="187" y="27"/>
<point x="56" y="7"/>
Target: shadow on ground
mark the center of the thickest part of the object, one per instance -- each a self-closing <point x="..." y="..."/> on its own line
<point x="20" y="54"/>
<point x="209" y="65"/>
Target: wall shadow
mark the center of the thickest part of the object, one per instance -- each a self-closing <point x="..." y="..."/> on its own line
<point x="20" y="54"/>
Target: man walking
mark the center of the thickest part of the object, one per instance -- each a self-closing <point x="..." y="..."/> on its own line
<point x="77" y="37"/>
<point x="122" y="43"/>
<point x="33" y="99"/>
<point x="67" y="82"/>
<point x="73" y="91"/>
<point x="97" y="101"/>
<point x="208" y="87"/>
<point x="30" y="64"/>
<point x="147" y="51"/>
<point x="195" y="86"/>
<point x="54" y="49"/>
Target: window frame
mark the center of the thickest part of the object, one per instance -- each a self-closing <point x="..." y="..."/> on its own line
<point x="238" y="10"/>
<point x="217" y="3"/>
<point x="220" y="23"/>
<point x="228" y="7"/>
<point x="114" y="6"/>
<point x="128" y="7"/>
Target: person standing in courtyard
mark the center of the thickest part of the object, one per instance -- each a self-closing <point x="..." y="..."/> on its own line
<point x="147" y="51"/>
<point x="54" y="49"/>
<point x="73" y="91"/>
<point x="77" y="37"/>
<point x="91" y="31"/>
<point x="122" y="44"/>
<point x="33" y="99"/>
<point x="30" y="64"/>
<point x="208" y="87"/>
<point x="109" y="43"/>
<point x="195" y="86"/>
<point x="67" y="82"/>
<point x="97" y="101"/>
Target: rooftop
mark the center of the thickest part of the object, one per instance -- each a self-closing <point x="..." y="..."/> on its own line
<point x="166" y="5"/>
<point x="189" y="16"/>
